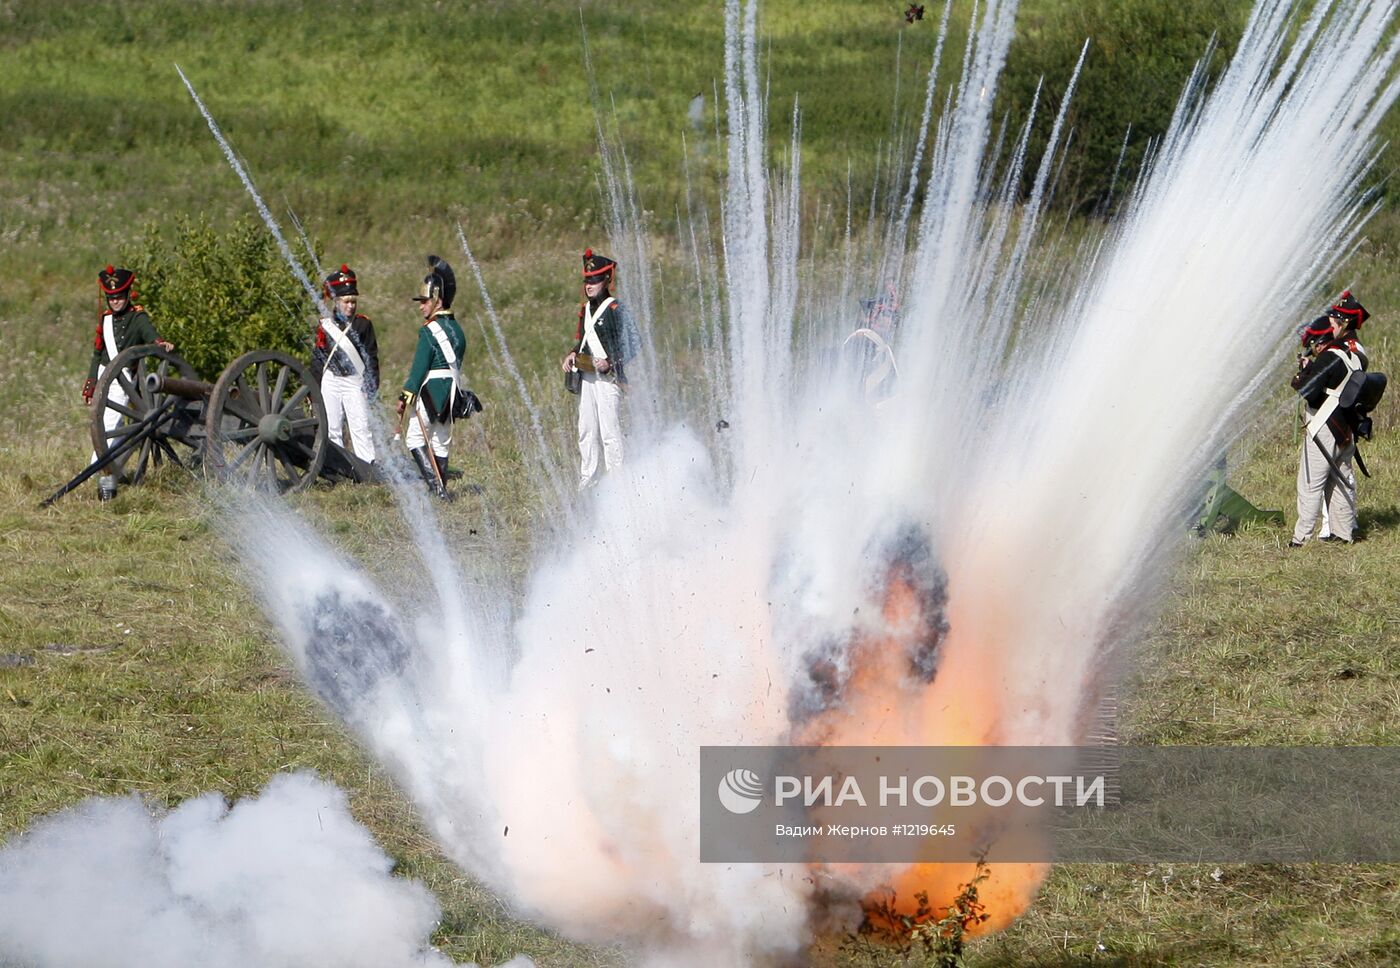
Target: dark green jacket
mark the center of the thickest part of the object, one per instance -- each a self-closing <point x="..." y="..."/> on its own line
<point x="132" y="327"/>
<point x="436" y="392"/>
<point x="609" y="329"/>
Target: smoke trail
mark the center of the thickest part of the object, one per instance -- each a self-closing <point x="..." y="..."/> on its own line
<point x="247" y="180"/>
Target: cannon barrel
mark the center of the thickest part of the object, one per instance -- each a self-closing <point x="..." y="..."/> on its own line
<point x="178" y="386"/>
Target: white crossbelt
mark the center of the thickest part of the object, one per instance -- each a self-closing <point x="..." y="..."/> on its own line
<point x="887" y="365"/>
<point x="342" y="342"/>
<point x="455" y="371"/>
<point x="590" y="329"/>
<point x="109" y="337"/>
<point x="1329" y="406"/>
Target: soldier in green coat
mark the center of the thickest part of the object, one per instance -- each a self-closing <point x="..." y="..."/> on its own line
<point x="435" y="381"/>
<point x="121" y="325"/>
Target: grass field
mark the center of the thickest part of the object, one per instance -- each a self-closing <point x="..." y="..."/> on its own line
<point x="140" y="660"/>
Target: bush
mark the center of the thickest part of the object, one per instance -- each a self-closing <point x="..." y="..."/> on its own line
<point x="217" y="296"/>
<point x="1141" y="52"/>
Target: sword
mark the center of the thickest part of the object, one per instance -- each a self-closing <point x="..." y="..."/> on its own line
<point x="1335" y="470"/>
<point x="428" y="445"/>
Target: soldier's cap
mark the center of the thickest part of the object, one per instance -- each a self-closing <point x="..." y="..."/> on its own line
<point x="439" y="283"/>
<point x="342" y="282"/>
<point x="597" y="268"/>
<point x="1346" y="307"/>
<point x="885" y="302"/>
<point x="1318" y="329"/>
<point x="115" y="282"/>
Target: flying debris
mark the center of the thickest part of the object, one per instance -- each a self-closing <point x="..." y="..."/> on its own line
<point x="913" y="13"/>
<point x="352" y="645"/>
<point x="905" y="614"/>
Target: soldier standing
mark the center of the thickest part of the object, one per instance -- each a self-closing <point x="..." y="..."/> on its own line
<point x="868" y="350"/>
<point x="597" y="357"/>
<point x="346" y="360"/>
<point x="1325" y="476"/>
<point x="434" y="381"/>
<point x="121" y="325"/>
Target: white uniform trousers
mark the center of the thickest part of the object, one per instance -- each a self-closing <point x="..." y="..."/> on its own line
<point x="116" y="393"/>
<point x="345" y="399"/>
<point x="599" y="426"/>
<point x="1319" y="484"/>
<point x="439" y="433"/>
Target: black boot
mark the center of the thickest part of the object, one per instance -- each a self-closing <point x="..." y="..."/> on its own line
<point x="426" y="468"/>
<point x="442" y="468"/>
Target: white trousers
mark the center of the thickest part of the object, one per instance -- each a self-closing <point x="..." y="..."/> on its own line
<point x="599" y="427"/>
<point x="439" y="433"/>
<point x="346" y="400"/>
<point x="1320" y="486"/>
<point x="111" y="419"/>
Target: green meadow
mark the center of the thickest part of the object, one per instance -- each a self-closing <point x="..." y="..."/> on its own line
<point x="142" y="661"/>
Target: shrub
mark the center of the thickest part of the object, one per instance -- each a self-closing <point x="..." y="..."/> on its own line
<point x="1141" y="52"/>
<point x="216" y="296"/>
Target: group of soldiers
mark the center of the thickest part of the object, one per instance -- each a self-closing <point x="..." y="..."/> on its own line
<point x="345" y="362"/>
<point x="1332" y="379"/>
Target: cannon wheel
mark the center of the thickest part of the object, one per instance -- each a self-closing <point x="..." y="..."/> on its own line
<point x="139" y="360"/>
<point x="266" y="424"/>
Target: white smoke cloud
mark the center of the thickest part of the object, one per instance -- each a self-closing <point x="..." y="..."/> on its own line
<point x="287" y="878"/>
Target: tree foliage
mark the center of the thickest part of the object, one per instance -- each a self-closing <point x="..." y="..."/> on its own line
<point x="1141" y="53"/>
<point x="216" y="296"/>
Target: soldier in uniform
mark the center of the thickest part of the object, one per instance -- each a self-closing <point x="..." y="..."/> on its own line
<point x="1325" y="477"/>
<point x="346" y="361"/>
<point x="600" y="350"/>
<point x="435" y="381"/>
<point x="120" y="324"/>
<point x="868" y="352"/>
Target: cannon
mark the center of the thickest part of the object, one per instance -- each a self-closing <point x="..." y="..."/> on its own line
<point x="261" y="424"/>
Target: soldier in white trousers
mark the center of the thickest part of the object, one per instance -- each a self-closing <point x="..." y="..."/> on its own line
<point x="599" y="427"/>
<point x="346" y="359"/>
<point x="1329" y="484"/>
<point x="602" y="345"/>
<point x="1326" y="481"/>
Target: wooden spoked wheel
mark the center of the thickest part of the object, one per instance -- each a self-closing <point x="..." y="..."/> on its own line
<point x="266" y="424"/>
<point x="122" y="401"/>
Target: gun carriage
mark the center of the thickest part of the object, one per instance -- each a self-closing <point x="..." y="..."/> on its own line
<point x="261" y="424"/>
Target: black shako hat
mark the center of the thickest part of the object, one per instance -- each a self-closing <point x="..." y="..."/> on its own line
<point x="439" y="283"/>
<point x="597" y="268"/>
<point x="342" y="282"/>
<point x="1346" y="307"/>
<point x="884" y="304"/>
<point x="1318" y="329"/>
<point x="115" y="282"/>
